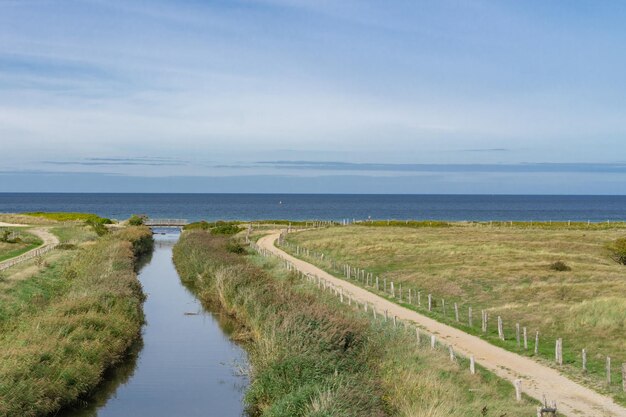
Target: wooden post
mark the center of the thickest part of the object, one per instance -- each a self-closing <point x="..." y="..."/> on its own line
<point x="469" y="316"/>
<point x="451" y="351"/>
<point x="341" y="295"/>
<point x="419" y="298"/>
<point x="584" y="357"/>
<point x="518" y="390"/>
<point x="472" y="365"/>
<point x="558" y="352"/>
<point x="400" y="292"/>
<point x="517" y="335"/>
<point x="608" y="370"/>
<point x="409" y="296"/>
<point x="417" y="335"/>
<point x="537" y="342"/>
<point x="393" y="290"/>
<point x="624" y="377"/>
<point x="385" y="284"/>
<point x="433" y="341"/>
<point x="525" y="338"/>
<point x="500" y="329"/>
<point x="377" y="287"/>
<point x="374" y="312"/>
<point x="430" y="302"/>
<point x="386" y="315"/>
<point x="443" y="306"/>
<point x="456" y="311"/>
<point x="365" y="306"/>
<point x="394" y="322"/>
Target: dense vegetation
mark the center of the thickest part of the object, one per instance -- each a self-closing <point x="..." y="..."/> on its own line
<point x="550" y="278"/>
<point x="62" y="327"/>
<point x="312" y="356"/>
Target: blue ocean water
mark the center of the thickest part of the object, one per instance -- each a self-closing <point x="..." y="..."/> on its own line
<point x="326" y="206"/>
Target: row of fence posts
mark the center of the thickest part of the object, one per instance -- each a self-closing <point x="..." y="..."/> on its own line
<point x="414" y="297"/>
<point x="26" y="256"/>
<point x="346" y="297"/>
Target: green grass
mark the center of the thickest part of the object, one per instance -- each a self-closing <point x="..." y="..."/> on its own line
<point x="312" y="356"/>
<point x="63" y="327"/>
<point x="507" y="271"/>
<point x="67" y="217"/>
<point x="27" y="241"/>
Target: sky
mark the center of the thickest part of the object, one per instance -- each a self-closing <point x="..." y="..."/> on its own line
<point x="403" y="96"/>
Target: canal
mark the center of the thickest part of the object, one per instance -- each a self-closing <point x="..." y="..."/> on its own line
<point x="185" y="363"/>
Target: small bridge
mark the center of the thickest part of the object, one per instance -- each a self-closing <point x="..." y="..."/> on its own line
<point x="166" y="222"/>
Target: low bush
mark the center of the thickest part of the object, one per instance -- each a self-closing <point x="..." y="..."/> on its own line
<point x="136" y="220"/>
<point x="560" y="266"/>
<point x="617" y="250"/>
<point x="225" y="228"/>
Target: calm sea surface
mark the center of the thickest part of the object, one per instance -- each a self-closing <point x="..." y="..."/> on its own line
<point x="325" y="206"/>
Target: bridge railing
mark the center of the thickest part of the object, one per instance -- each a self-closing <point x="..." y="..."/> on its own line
<point x="166" y="222"/>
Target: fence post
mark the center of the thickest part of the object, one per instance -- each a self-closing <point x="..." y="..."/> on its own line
<point x="433" y="341"/>
<point x="559" y="351"/>
<point x="525" y="338"/>
<point x="518" y="390"/>
<point x="409" y="296"/>
<point x="624" y="377"/>
<point x="500" y="329"/>
<point x="517" y="335"/>
<point x="584" y="358"/>
<point x="537" y="342"/>
<point x="430" y="302"/>
<point x="456" y="311"/>
<point x="608" y="370"/>
<point x="469" y="316"/>
<point x="377" y="287"/>
<point x="451" y="351"/>
<point x="419" y="298"/>
<point x="417" y="335"/>
<point x="443" y="306"/>
<point x="472" y="365"/>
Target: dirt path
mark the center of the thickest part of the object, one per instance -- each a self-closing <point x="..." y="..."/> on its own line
<point x="49" y="241"/>
<point x="538" y="380"/>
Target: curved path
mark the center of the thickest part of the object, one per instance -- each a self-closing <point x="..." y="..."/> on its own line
<point x="49" y="242"/>
<point x="572" y="398"/>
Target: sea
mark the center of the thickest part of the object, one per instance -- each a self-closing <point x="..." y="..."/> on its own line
<point x="337" y="207"/>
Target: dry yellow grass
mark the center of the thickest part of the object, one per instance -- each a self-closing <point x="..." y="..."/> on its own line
<point x="505" y="270"/>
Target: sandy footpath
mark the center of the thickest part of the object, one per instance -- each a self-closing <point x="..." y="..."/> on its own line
<point x="538" y="380"/>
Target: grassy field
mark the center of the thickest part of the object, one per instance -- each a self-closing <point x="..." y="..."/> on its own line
<point x="66" y="318"/>
<point x="27" y="241"/>
<point x="506" y="270"/>
<point x="312" y="356"/>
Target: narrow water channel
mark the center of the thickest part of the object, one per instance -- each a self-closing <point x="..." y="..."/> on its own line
<point x="185" y="364"/>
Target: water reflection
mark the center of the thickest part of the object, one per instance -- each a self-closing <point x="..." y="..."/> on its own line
<point x="186" y="365"/>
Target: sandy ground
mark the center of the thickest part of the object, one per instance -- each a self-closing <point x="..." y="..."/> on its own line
<point x="538" y="380"/>
<point x="3" y="224"/>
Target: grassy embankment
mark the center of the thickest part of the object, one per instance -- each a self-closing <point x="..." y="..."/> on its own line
<point x="312" y="356"/>
<point x="66" y="318"/>
<point x="506" y="270"/>
<point x="10" y="248"/>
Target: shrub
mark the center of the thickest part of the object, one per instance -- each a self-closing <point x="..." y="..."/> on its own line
<point x="560" y="266"/>
<point x="201" y="225"/>
<point x="225" y="228"/>
<point x="136" y="220"/>
<point x="234" y="246"/>
<point x="617" y="250"/>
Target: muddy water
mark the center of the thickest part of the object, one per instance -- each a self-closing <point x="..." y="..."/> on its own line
<point x="185" y="364"/>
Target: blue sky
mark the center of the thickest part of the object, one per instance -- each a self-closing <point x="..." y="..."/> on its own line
<point x="312" y="96"/>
